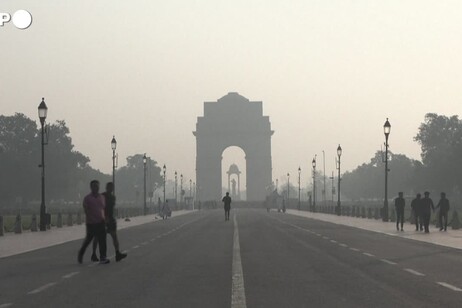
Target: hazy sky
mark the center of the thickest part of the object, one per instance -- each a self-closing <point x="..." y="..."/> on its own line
<point x="328" y="72"/>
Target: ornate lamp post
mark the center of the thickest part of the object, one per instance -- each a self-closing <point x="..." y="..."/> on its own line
<point x="176" y="186"/>
<point x="113" y="147"/>
<point x="386" y="131"/>
<point x="164" y="168"/>
<point x="190" y="190"/>
<point x="42" y="113"/>
<point x="299" y="188"/>
<point x="313" y="163"/>
<point x="339" y="153"/>
<point x="144" y="189"/>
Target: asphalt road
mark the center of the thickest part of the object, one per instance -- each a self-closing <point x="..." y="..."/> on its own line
<point x="286" y="261"/>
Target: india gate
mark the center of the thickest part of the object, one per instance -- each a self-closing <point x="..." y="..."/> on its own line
<point x="233" y="120"/>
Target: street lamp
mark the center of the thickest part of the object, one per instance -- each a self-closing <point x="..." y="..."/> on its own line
<point x="190" y="190"/>
<point x="288" y="178"/>
<point x="313" y="163"/>
<point x="165" y="170"/>
<point x="339" y="153"/>
<point x="42" y="113"/>
<point x="144" y="190"/>
<point x="194" y="194"/>
<point x="181" y="188"/>
<point x="299" y="188"/>
<point x="324" y="177"/>
<point x="113" y="147"/>
<point x="176" y="186"/>
<point x="386" y="131"/>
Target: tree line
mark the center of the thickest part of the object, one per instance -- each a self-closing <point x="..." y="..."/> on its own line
<point x="67" y="170"/>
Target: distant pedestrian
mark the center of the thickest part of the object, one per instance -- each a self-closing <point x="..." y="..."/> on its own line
<point x="93" y="205"/>
<point x="416" y="208"/>
<point x="227" y="204"/>
<point x="443" y="205"/>
<point x="166" y="212"/>
<point x="111" y="223"/>
<point x="400" y="203"/>
<point x="426" y="208"/>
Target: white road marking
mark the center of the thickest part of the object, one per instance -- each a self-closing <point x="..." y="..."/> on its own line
<point x="42" y="288"/>
<point x="354" y="249"/>
<point x="238" y="290"/>
<point x="368" y="254"/>
<point x="325" y="237"/>
<point x="6" y="305"/>
<point x="446" y="285"/>
<point x="70" y="275"/>
<point x="333" y="241"/>
<point x="343" y="245"/>
<point x="410" y="270"/>
<point x="135" y="247"/>
<point x="388" y="261"/>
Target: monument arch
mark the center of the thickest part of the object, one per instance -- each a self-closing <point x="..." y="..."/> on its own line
<point x="233" y="120"/>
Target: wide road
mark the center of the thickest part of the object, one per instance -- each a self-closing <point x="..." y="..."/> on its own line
<point x="257" y="259"/>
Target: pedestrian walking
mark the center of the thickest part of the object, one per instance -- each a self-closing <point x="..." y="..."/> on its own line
<point x="111" y="223"/>
<point x="426" y="208"/>
<point x="400" y="203"/>
<point x="443" y="205"/>
<point x="93" y="205"/>
<point x="416" y="208"/>
<point x="227" y="204"/>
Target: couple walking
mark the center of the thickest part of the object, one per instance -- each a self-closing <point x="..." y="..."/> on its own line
<point x="99" y="218"/>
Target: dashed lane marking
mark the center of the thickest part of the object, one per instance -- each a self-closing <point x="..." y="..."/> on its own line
<point x="368" y="254"/>
<point x="343" y="245"/>
<point x="135" y="247"/>
<point x="237" y="290"/>
<point x="70" y="275"/>
<point x="325" y="237"/>
<point x="42" y="288"/>
<point x="6" y="305"/>
<point x="354" y="249"/>
<point x="333" y="241"/>
<point x="388" y="261"/>
<point x="414" y="272"/>
<point x="446" y="285"/>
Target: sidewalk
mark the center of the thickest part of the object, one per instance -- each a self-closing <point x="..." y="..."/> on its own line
<point x="12" y="244"/>
<point x="450" y="238"/>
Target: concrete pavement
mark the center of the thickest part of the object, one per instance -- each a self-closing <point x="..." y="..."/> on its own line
<point x="450" y="238"/>
<point x="12" y="244"/>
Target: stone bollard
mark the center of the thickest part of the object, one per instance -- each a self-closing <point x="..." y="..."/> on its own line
<point x="59" y="221"/>
<point x="2" y="227"/>
<point x="18" y="224"/>
<point x="69" y="220"/>
<point x="455" y="222"/>
<point x="369" y="213"/>
<point x="393" y="215"/>
<point x="33" y="223"/>
<point x="79" y="218"/>
<point x="376" y="213"/>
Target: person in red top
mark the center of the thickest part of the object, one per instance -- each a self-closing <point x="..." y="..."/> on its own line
<point x="93" y="205"/>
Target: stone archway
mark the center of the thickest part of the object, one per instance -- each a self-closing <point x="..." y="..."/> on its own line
<point x="233" y="120"/>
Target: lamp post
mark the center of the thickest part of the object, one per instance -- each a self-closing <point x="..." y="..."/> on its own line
<point x="332" y="188"/>
<point x="176" y="186"/>
<point x="194" y="194"/>
<point x="277" y="184"/>
<point x="324" y="177"/>
<point x="113" y="147"/>
<point x="313" y="163"/>
<point x="181" y="188"/>
<point x="288" y="188"/>
<point x="386" y="131"/>
<point x="144" y="189"/>
<point x="190" y="190"/>
<point x="164" y="168"/>
<point x="42" y="113"/>
<point x="299" y="188"/>
<point x="339" y="153"/>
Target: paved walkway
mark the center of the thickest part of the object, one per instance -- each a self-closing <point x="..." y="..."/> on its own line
<point x="451" y="238"/>
<point x="12" y="244"/>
